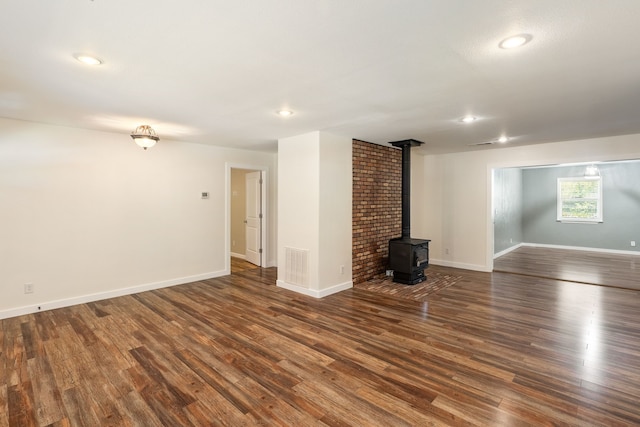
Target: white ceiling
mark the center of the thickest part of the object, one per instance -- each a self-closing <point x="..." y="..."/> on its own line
<point x="215" y="72"/>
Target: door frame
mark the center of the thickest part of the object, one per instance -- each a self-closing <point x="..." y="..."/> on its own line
<point x="264" y="173"/>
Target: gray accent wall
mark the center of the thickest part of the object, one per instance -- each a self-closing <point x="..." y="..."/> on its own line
<point x="621" y="208"/>
<point x="507" y="208"/>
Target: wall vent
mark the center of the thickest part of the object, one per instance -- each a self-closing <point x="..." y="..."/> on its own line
<point x="296" y="266"/>
<point x="480" y="143"/>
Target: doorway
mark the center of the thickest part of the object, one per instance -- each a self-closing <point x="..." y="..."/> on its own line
<point x="247" y="219"/>
<point x="531" y="235"/>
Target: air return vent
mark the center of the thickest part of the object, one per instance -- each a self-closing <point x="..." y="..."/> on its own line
<point x="480" y="143"/>
<point x="296" y="266"/>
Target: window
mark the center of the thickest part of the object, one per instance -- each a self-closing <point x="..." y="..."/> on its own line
<point x="580" y="199"/>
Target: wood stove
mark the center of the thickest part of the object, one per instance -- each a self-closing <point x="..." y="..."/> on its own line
<point x="408" y="257"/>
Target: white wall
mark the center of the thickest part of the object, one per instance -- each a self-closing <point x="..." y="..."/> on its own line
<point x="314" y="210"/>
<point x="454" y="200"/>
<point x="298" y="201"/>
<point x="87" y="215"/>
<point x="336" y="188"/>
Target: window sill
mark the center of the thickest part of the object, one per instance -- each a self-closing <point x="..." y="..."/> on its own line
<point x="573" y="221"/>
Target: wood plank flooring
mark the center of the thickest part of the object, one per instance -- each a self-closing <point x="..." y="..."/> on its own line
<point x="495" y="349"/>
<point x="239" y="264"/>
<point x="597" y="268"/>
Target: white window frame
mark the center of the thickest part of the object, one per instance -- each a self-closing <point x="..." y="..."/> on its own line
<point x="599" y="217"/>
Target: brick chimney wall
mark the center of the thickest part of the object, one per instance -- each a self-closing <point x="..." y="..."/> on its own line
<point x="377" y="207"/>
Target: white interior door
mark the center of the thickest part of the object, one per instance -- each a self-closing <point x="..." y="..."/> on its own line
<point x="253" y="221"/>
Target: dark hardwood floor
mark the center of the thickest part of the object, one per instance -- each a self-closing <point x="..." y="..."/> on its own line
<point x="597" y="268"/>
<point x="494" y="349"/>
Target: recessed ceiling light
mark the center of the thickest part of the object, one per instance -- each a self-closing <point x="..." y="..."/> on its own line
<point x="285" y="113"/>
<point x="468" y="119"/>
<point x="515" y="41"/>
<point x="503" y="139"/>
<point x="87" y="59"/>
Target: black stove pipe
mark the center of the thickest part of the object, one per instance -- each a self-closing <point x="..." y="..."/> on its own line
<point x="406" y="182"/>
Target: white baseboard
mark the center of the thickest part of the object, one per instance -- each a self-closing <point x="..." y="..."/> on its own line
<point x="506" y="251"/>
<point x="582" y="248"/>
<point x="314" y="292"/>
<point x="83" y="299"/>
<point x="463" y="266"/>
<point x="235" y="255"/>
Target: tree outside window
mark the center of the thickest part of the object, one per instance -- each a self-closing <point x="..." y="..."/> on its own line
<point x="580" y="199"/>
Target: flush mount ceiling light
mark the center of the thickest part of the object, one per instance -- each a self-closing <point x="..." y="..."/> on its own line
<point x="285" y="113"/>
<point x="145" y="136"/>
<point x="468" y="119"/>
<point x="87" y="59"/>
<point x="592" y="171"/>
<point x="515" y="41"/>
<point x="503" y="139"/>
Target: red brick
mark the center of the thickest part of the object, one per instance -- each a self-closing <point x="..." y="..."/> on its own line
<point x="377" y="206"/>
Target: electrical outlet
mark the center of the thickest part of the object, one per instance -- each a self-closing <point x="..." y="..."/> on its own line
<point x="633" y="243"/>
<point x="446" y="251"/>
<point x="342" y="269"/>
<point x="28" y="288"/>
